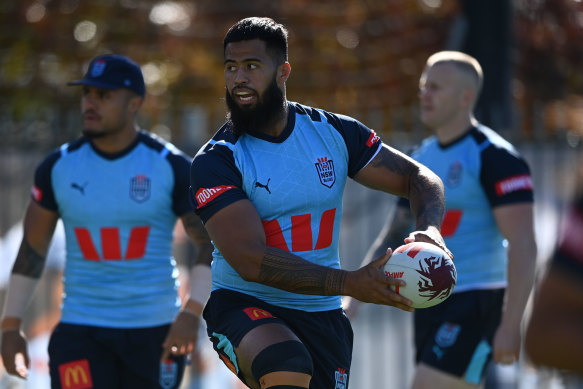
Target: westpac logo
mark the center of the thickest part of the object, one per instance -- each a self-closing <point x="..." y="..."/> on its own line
<point x="326" y="173"/>
<point x="76" y="375"/>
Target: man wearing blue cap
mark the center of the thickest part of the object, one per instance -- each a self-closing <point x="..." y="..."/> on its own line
<point x="119" y="191"/>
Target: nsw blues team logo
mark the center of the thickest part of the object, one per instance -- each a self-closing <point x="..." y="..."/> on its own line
<point x="447" y="334"/>
<point x="168" y="374"/>
<point x="341" y="377"/>
<point x="326" y="171"/>
<point x="98" y="68"/>
<point x="140" y="188"/>
<point x="454" y="175"/>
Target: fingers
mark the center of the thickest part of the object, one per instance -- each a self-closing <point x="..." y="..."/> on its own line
<point x="177" y="349"/>
<point x="417" y="236"/>
<point x="21" y="364"/>
<point x="381" y="261"/>
<point x="401" y="302"/>
<point x="17" y="365"/>
<point x="14" y="354"/>
<point x="182" y="336"/>
<point x="404" y="307"/>
<point x="505" y="357"/>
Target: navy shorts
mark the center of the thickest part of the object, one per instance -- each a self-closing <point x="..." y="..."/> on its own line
<point x="456" y="336"/>
<point x="327" y="335"/>
<point x="83" y="357"/>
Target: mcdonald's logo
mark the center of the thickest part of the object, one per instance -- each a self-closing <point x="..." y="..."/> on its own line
<point x="76" y="375"/>
<point x="257" y="313"/>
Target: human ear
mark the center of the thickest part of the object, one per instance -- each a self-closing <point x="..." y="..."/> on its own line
<point x="284" y="71"/>
<point x="135" y="103"/>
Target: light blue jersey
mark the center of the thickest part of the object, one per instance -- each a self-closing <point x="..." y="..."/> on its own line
<point x="295" y="181"/>
<point x="119" y="213"/>
<point x="480" y="171"/>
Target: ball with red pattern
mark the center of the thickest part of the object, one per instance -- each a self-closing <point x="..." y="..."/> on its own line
<point x="428" y="271"/>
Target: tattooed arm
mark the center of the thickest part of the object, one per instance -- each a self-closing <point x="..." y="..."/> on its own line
<point x="394" y="172"/>
<point x="39" y="226"/>
<point x="238" y="233"/>
<point x="183" y="334"/>
<point x="198" y="235"/>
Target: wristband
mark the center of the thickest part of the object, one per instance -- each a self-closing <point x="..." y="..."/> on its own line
<point x="200" y="287"/>
<point x="190" y="312"/>
<point x="20" y="291"/>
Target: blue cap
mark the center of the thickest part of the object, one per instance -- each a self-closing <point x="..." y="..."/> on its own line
<point x="114" y="72"/>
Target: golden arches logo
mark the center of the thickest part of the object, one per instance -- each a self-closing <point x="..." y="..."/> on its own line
<point x="257" y="313"/>
<point x="76" y="375"/>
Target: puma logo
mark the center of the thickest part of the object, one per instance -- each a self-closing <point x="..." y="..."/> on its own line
<point x="80" y="188"/>
<point x="264" y="186"/>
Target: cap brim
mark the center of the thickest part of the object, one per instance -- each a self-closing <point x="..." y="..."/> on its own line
<point x="96" y="84"/>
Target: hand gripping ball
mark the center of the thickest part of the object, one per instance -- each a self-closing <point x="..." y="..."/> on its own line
<point x="428" y="271"/>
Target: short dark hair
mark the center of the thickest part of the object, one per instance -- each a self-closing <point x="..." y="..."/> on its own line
<point x="266" y="29"/>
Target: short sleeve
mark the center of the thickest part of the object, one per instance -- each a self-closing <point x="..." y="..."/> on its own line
<point x="215" y="181"/>
<point x="362" y="142"/>
<point x="505" y="177"/>
<point x="42" y="190"/>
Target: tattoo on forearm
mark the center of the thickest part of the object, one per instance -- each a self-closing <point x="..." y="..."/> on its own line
<point x="429" y="200"/>
<point x="283" y="270"/>
<point x="425" y="191"/>
<point x="28" y="262"/>
<point x="194" y="228"/>
<point x="199" y="236"/>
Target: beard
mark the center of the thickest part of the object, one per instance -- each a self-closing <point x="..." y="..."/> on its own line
<point x="266" y="112"/>
<point x="90" y="133"/>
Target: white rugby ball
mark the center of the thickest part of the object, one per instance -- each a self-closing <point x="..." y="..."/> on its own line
<point x="428" y="271"/>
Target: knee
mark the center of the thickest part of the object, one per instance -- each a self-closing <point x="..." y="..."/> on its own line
<point x="283" y="363"/>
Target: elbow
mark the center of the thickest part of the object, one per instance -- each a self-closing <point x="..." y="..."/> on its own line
<point x="248" y="275"/>
<point x="247" y="262"/>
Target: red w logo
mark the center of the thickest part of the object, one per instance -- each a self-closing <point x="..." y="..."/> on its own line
<point x="301" y="232"/>
<point x="110" y="243"/>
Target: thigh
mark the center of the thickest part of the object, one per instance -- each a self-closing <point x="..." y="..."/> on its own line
<point x="77" y="360"/>
<point x="328" y="336"/>
<point x="456" y="336"/>
<point x="239" y="326"/>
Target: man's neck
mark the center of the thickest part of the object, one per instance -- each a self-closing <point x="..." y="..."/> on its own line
<point x="280" y="124"/>
<point x="452" y="131"/>
<point x="116" y="142"/>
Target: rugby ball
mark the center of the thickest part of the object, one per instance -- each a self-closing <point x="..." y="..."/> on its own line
<point x="428" y="271"/>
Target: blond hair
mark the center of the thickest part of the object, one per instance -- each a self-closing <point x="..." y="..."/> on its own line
<point x="464" y="62"/>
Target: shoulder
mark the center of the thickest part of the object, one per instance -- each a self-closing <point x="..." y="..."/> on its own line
<point x="178" y="160"/>
<point x="339" y="121"/>
<point x="65" y="149"/>
<point x="495" y="151"/>
<point x="220" y="147"/>
<point x="163" y="147"/>
<point x="488" y="139"/>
